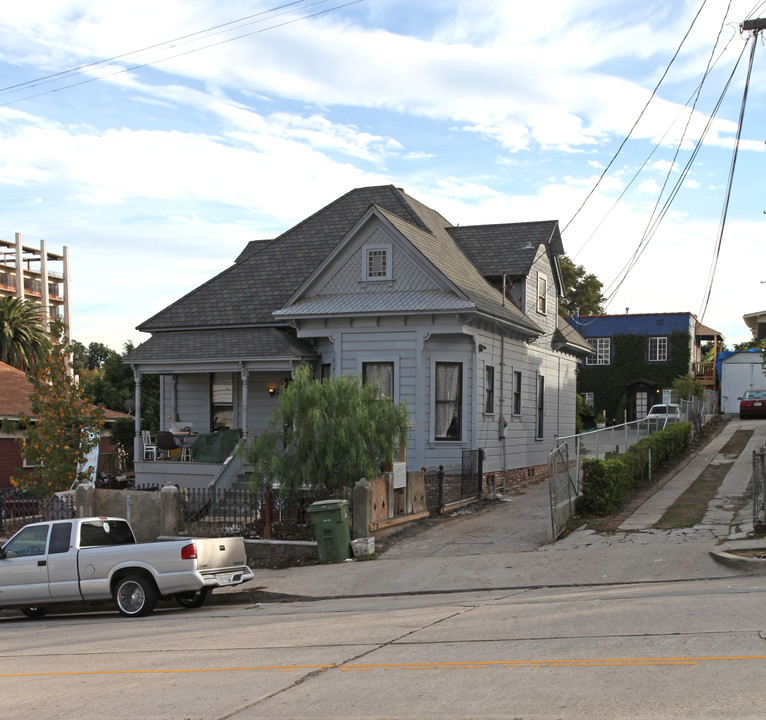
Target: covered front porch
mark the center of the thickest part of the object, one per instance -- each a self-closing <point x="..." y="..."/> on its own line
<point x="229" y="395"/>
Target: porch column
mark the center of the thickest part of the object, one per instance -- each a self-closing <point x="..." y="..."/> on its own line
<point x="243" y="423"/>
<point x="174" y="398"/>
<point x="138" y="446"/>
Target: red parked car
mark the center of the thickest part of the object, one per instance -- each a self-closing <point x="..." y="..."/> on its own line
<point x="753" y="402"/>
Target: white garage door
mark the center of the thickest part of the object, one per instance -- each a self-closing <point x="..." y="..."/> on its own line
<point x="740" y="372"/>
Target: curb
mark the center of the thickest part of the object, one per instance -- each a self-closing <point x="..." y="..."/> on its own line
<point x="740" y="562"/>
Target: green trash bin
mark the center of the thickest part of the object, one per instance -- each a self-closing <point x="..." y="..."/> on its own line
<point x="330" y="521"/>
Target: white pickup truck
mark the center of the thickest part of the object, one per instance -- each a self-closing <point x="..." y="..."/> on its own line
<point x="95" y="559"/>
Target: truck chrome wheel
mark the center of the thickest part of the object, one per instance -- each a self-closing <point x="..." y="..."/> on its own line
<point x="135" y="596"/>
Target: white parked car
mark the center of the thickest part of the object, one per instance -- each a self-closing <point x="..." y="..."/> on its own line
<point x="665" y="413"/>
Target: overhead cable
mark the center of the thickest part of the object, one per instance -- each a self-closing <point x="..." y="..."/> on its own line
<point x="187" y="52"/>
<point x="725" y="210"/>
<point x="638" y="119"/>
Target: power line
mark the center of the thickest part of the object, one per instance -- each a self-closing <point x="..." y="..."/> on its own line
<point x="110" y="61"/>
<point x="656" y="147"/>
<point x="729" y="183"/>
<point x="646" y="237"/>
<point x="638" y="119"/>
<point x="177" y="55"/>
<point x="676" y="188"/>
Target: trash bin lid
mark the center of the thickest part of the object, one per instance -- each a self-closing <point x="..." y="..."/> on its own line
<point x="321" y="505"/>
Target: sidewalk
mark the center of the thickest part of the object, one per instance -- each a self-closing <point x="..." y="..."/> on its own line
<point x="507" y="546"/>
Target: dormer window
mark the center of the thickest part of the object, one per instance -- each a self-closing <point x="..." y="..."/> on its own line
<point x="377" y="262"/>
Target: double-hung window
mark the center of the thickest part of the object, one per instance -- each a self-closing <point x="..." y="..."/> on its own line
<point x="222" y="401"/>
<point x="517" y="392"/>
<point x="489" y="389"/>
<point x="381" y="374"/>
<point x="603" y="349"/>
<point x="448" y="401"/>
<point x="658" y="349"/>
<point x="542" y="293"/>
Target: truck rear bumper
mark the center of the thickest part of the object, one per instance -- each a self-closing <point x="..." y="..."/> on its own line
<point x="227" y="577"/>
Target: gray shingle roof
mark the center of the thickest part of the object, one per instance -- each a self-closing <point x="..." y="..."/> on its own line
<point x="568" y="339"/>
<point x="498" y="249"/>
<point x="221" y="345"/>
<point x="267" y="273"/>
<point x="264" y="278"/>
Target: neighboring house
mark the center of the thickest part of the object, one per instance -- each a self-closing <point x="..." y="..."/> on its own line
<point x="637" y="357"/>
<point x="740" y="371"/>
<point x="757" y="323"/>
<point x="15" y="391"/>
<point x="461" y="322"/>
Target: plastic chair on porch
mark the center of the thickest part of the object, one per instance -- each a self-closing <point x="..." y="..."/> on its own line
<point x="150" y="448"/>
<point x="165" y="442"/>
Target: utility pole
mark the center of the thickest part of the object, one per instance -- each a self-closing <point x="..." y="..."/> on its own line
<point x="756" y="25"/>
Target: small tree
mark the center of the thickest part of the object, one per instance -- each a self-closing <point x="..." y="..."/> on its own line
<point x="63" y="428"/>
<point x="583" y="290"/>
<point x="686" y="386"/>
<point x="326" y="435"/>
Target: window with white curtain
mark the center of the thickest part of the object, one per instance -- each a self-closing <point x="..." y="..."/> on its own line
<point x="448" y="391"/>
<point x="381" y="374"/>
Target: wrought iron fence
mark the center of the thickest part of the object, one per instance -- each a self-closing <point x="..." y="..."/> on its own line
<point x="18" y="509"/>
<point x="435" y="488"/>
<point x="242" y="512"/>
<point x="445" y="486"/>
<point x="471" y="476"/>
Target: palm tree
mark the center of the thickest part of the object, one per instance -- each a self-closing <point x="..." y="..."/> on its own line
<point x="24" y="339"/>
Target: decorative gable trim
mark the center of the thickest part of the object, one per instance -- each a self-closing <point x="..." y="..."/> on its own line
<point x="373" y="231"/>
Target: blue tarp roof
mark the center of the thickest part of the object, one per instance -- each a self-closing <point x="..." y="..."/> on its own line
<point x="728" y="353"/>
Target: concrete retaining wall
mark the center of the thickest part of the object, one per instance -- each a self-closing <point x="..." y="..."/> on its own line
<point x="151" y="514"/>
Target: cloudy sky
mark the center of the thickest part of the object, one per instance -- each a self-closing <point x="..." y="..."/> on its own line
<point x="155" y="139"/>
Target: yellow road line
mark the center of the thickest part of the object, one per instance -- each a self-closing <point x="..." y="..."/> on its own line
<point x="464" y="665"/>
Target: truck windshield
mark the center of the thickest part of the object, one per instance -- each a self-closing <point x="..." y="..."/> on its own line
<point x="105" y="532"/>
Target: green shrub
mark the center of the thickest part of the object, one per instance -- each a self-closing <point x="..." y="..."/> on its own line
<point x="605" y="485"/>
<point x="606" y="482"/>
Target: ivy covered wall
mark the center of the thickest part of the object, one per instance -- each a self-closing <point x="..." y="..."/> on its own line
<point x="629" y="363"/>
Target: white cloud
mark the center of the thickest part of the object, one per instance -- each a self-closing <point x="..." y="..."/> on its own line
<point x="487" y="110"/>
<point x="648" y="187"/>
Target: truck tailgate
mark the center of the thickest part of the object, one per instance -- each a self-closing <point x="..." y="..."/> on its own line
<point x="220" y="553"/>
